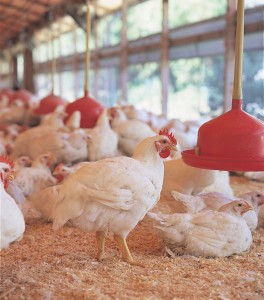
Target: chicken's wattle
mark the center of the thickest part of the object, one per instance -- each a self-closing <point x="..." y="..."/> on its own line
<point x="164" y="153"/>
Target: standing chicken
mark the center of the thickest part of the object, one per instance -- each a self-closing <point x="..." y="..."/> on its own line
<point x="12" y="220"/>
<point x="114" y="193"/>
<point x="104" y="140"/>
<point x="130" y="132"/>
<point x="207" y="233"/>
<point x="36" y="177"/>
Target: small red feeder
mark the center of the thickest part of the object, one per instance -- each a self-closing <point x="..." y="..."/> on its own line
<point x="90" y="109"/>
<point x="233" y="141"/>
<point x="48" y="104"/>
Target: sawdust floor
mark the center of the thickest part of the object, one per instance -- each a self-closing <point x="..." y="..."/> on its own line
<point x="62" y="265"/>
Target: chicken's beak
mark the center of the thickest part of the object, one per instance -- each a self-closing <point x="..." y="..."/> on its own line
<point x="246" y="208"/>
<point x="173" y="148"/>
<point x="11" y="176"/>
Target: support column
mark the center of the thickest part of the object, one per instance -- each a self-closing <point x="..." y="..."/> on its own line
<point x="14" y="72"/>
<point x="124" y="53"/>
<point x="229" y="53"/>
<point x="164" y="57"/>
<point x="28" y="70"/>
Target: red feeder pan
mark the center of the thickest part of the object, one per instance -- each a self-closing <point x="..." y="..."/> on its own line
<point x="48" y="104"/>
<point x="89" y="108"/>
<point x="233" y="141"/>
<point x="22" y="95"/>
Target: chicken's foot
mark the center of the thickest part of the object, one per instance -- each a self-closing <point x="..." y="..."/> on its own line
<point x="100" y="237"/>
<point x="126" y="255"/>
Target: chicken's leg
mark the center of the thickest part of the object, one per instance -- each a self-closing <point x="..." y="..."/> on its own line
<point x="100" y="237"/>
<point x="126" y="255"/>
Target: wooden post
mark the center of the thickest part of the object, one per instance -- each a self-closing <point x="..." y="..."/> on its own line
<point x="75" y="64"/>
<point x="124" y="53"/>
<point x="87" y="52"/>
<point x="164" y="57"/>
<point x="95" y="56"/>
<point x="229" y="53"/>
<point x="28" y="70"/>
<point x="15" y="75"/>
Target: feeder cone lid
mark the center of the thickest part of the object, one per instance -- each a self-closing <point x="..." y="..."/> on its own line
<point x="90" y="110"/>
<point x="233" y="141"/>
<point x="49" y="104"/>
<point x="23" y="95"/>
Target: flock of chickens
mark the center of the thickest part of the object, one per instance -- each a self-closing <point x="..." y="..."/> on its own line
<point x="110" y="177"/>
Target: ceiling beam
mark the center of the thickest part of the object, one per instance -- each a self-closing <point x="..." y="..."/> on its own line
<point x="20" y="9"/>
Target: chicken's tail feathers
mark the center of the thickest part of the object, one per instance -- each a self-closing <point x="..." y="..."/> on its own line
<point x="169" y="226"/>
<point x="192" y="203"/>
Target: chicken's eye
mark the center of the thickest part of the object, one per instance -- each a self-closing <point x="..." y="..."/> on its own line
<point x="258" y="195"/>
<point x="164" y="142"/>
<point x="239" y="204"/>
<point x="5" y="170"/>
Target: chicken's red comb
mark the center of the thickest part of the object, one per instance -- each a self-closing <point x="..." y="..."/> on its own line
<point x="7" y="160"/>
<point x="169" y="135"/>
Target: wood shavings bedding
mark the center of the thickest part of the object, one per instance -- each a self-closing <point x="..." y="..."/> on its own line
<point x="62" y="265"/>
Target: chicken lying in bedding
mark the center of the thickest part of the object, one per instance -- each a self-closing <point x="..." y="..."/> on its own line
<point x="206" y="233"/>
<point x="12" y="220"/>
<point x="214" y="201"/>
<point x="111" y="194"/>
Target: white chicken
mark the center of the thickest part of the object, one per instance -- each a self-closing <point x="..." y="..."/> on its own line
<point x="36" y="177"/>
<point x="112" y="194"/>
<point x="67" y="147"/>
<point x="62" y="171"/>
<point x="26" y="138"/>
<point x="12" y="220"/>
<point x="15" y="113"/>
<point x="185" y="179"/>
<point x="214" y="201"/>
<point x="74" y="121"/>
<point x="54" y="119"/>
<point x="103" y="140"/>
<point x="130" y="132"/>
<point x="257" y="176"/>
<point x="134" y="113"/>
<point x="207" y="233"/>
<point x="221" y="184"/>
<point x="22" y="162"/>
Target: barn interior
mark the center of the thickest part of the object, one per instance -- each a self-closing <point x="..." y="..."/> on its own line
<point x="165" y="64"/>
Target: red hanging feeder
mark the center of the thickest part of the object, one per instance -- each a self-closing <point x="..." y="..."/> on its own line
<point x="233" y="141"/>
<point x="89" y="108"/>
<point x="49" y="104"/>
